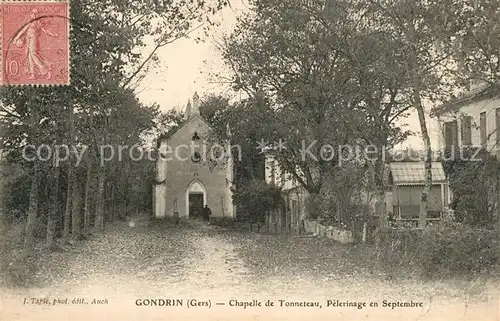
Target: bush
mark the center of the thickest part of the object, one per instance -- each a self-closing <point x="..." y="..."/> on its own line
<point x="397" y="247"/>
<point x="459" y="249"/>
<point x="341" y="201"/>
<point x="15" y="270"/>
<point x="15" y="198"/>
<point x="314" y="206"/>
<point x="474" y="187"/>
<point x="256" y="198"/>
<point x="449" y="249"/>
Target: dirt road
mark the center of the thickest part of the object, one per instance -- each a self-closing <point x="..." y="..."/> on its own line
<point x="205" y="272"/>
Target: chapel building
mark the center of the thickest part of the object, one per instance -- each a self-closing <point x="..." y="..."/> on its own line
<point x="187" y="177"/>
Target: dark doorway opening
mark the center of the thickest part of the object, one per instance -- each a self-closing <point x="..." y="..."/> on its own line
<point x="196" y="205"/>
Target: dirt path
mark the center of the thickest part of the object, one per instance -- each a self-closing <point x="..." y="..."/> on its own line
<point x="210" y="265"/>
<point x="217" y="267"/>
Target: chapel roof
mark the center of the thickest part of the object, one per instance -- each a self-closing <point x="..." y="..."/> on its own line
<point x="192" y="112"/>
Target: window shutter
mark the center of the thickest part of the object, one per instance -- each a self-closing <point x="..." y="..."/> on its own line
<point x="482" y="127"/>
<point x="467" y="130"/>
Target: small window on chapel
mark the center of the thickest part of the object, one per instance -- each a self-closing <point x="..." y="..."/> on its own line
<point x="196" y="157"/>
<point x="195" y="136"/>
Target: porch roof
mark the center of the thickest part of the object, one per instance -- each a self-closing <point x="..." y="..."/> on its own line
<point x="413" y="173"/>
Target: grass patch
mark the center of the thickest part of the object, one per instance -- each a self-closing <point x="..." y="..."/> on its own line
<point x="443" y="251"/>
<point x="15" y="270"/>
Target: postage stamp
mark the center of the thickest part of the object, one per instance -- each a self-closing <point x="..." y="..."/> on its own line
<point x="35" y="43"/>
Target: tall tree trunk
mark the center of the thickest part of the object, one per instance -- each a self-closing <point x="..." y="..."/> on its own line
<point x="117" y="182"/>
<point x="34" y="197"/>
<point x="424" y="200"/>
<point x="99" y="215"/>
<point x="69" y="192"/>
<point x="380" y="205"/>
<point x="125" y="188"/>
<point x="67" y="208"/>
<point x="54" y="207"/>
<point x="76" y="210"/>
<point x="29" y="238"/>
<point x="114" y="208"/>
<point x="381" y="208"/>
<point x="88" y="183"/>
<point x="498" y="198"/>
<point x="417" y="104"/>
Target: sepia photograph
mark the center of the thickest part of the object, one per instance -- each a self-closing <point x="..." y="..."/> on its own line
<point x="249" y="160"/>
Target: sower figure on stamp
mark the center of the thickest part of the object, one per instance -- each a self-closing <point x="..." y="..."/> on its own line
<point x="207" y="213"/>
<point x="32" y="32"/>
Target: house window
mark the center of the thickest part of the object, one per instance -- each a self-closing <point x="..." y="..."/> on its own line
<point x="482" y="127"/>
<point x="195" y="155"/>
<point x="450" y="134"/>
<point x="467" y="130"/>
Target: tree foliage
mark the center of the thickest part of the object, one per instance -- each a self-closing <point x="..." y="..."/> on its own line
<point x="323" y="78"/>
<point x="113" y="44"/>
<point x="256" y="198"/>
<point x="473" y="182"/>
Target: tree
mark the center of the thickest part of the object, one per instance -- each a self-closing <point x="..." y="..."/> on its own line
<point x="54" y="210"/>
<point x="87" y="193"/>
<point x="165" y="124"/>
<point x="234" y="124"/>
<point x="426" y="33"/>
<point x="382" y="100"/>
<point x="320" y="87"/>
<point x="479" y="57"/>
<point x="257" y="198"/>
<point x="31" y="123"/>
<point x="301" y="80"/>
<point x="106" y="40"/>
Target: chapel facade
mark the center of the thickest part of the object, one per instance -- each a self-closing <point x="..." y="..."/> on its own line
<point x="187" y="177"/>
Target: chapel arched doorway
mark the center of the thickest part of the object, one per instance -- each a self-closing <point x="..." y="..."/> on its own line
<point x="196" y="198"/>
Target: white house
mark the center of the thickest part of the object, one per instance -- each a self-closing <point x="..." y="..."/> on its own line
<point x="472" y="119"/>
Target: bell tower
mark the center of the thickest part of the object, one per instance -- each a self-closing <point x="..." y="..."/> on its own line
<point x="189" y="109"/>
<point x="193" y="108"/>
<point x="196" y="104"/>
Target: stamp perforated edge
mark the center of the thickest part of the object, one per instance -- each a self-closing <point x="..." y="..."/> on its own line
<point x="68" y="48"/>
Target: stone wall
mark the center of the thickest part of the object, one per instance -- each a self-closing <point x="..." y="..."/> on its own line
<point x="340" y="235"/>
<point x="311" y="227"/>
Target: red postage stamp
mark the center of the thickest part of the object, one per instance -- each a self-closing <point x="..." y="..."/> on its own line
<point x="35" y="42"/>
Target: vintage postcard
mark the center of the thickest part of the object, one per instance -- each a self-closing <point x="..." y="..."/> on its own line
<point x="249" y="160"/>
